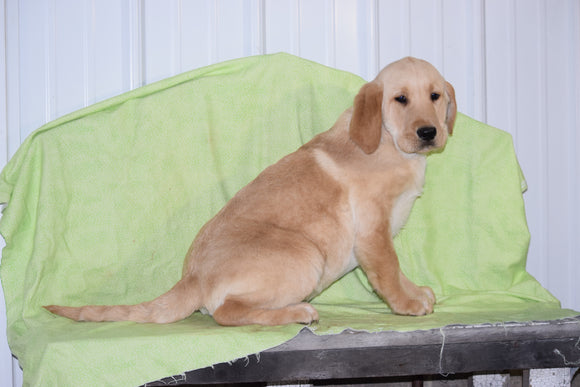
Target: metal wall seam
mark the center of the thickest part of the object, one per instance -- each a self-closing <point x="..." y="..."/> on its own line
<point x="135" y="46"/>
<point x="50" y="60"/>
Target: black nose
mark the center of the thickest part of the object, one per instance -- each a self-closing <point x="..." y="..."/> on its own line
<point x="427" y="133"/>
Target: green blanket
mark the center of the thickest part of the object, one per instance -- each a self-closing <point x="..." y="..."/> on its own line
<point x="102" y="205"/>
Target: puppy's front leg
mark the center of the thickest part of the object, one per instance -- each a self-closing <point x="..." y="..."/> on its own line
<point x="377" y="257"/>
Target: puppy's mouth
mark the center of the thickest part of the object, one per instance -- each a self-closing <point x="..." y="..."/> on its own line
<point x="426" y="146"/>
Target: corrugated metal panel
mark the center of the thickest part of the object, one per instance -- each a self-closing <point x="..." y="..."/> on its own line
<point x="514" y="64"/>
<point x="6" y="362"/>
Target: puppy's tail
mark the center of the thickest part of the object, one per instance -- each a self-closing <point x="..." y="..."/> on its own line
<point x="178" y="303"/>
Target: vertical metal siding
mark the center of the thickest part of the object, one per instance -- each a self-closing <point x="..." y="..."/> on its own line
<point x="6" y="362"/>
<point x="514" y="64"/>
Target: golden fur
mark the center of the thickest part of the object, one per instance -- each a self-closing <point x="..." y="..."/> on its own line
<point x="315" y="215"/>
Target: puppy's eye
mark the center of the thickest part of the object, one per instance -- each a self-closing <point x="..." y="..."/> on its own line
<point x="401" y="99"/>
<point x="435" y="96"/>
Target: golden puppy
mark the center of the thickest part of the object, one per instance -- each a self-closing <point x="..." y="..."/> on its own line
<point x="315" y="215"/>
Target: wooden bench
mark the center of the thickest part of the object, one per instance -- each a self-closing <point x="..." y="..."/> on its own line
<point x="486" y="349"/>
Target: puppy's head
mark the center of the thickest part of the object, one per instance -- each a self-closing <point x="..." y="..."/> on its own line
<point x="410" y="101"/>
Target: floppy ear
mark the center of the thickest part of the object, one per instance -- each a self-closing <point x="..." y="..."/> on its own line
<point x="366" y="122"/>
<point x="451" y="107"/>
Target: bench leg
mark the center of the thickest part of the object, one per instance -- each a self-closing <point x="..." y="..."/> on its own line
<point x="550" y="377"/>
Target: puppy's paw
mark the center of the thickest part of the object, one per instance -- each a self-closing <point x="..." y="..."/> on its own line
<point x="427" y="299"/>
<point x="304" y="313"/>
<point x="428" y="292"/>
<point x="421" y="303"/>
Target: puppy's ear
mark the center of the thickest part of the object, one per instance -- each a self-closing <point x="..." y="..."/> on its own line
<point x="366" y="121"/>
<point x="451" y="107"/>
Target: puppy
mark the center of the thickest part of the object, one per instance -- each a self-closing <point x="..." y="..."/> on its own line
<point x="315" y="215"/>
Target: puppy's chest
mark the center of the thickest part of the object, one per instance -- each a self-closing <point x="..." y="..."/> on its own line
<point x="403" y="203"/>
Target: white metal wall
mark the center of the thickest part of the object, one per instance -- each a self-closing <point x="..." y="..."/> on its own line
<point x="514" y="63"/>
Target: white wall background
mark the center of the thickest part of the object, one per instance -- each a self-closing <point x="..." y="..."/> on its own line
<point x="514" y="64"/>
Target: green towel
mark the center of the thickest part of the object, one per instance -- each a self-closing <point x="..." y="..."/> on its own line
<point x="102" y="205"/>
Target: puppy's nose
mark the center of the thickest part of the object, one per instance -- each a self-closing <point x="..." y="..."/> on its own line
<point x="427" y="133"/>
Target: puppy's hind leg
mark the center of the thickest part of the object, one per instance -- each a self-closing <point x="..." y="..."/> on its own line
<point x="235" y="312"/>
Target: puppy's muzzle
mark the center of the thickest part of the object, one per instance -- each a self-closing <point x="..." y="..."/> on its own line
<point x="427" y="133"/>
